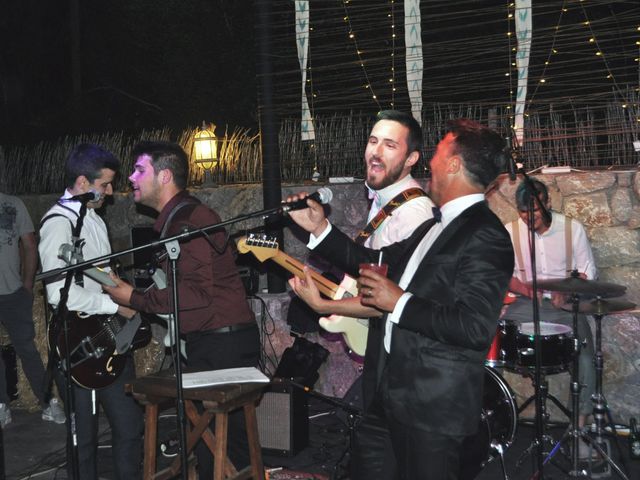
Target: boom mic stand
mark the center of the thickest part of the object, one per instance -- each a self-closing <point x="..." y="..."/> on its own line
<point x="353" y="415"/>
<point x="171" y="244"/>
<point x="62" y="321"/>
<point x="533" y="201"/>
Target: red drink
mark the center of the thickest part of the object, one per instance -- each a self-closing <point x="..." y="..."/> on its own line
<point x="381" y="269"/>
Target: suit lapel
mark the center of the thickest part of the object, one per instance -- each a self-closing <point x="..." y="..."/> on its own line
<point x="416" y="238"/>
<point x="438" y="245"/>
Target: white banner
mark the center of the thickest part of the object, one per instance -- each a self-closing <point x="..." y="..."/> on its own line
<point x="413" y="43"/>
<point x="302" y="42"/>
<point x="523" y="35"/>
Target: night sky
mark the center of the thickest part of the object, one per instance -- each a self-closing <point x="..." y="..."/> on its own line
<point x="143" y="64"/>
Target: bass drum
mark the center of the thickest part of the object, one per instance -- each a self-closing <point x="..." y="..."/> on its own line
<point x="497" y="426"/>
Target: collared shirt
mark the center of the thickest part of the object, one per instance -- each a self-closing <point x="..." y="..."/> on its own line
<point x="210" y="292"/>
<point x="15" y="222"/>
<point x="57" y="231"/>
<point x="551" y="252"/>
<point x="450" y="211"/>
<point x="403" y="220"/>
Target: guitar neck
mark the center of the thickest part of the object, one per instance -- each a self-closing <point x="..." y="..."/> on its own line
<point x="326" y="287"/>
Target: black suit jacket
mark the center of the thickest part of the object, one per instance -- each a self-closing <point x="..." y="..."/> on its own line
<point x="433" y="379"/>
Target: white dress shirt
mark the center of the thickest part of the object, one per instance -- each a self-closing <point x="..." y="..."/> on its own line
<point x="57" y="231"/>
<point x="551" y="252"/>
<point x="450" y="212"/>
<point x="403" y="220"/>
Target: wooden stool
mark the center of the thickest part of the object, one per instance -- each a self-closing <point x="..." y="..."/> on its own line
<point x="160" y="388"/>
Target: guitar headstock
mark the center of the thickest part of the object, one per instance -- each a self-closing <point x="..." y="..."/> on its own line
<point x="262" y="246"/>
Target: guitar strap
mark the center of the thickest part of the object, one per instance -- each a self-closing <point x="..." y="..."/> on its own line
<point x="387" y="210"/>
<point x="159" y="276"/>
<point x="53" y="322"/>
<point x="172" y="213"/>
<point x="78" y="274"/>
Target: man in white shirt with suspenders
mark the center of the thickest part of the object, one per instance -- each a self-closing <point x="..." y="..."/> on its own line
<point x="561" y="246"/>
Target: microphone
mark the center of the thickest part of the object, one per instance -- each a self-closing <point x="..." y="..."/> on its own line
<point x="511" y="159"/>
<point x="90" y="196"/>
<point x="323" y="195"/>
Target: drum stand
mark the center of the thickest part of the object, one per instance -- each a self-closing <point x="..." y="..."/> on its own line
<point x="600" y="409"/>
<point x="544" y="395"/>
<point x="574" y="432"/>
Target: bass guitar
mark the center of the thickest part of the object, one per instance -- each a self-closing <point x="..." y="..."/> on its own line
<point x="354" y="330"/>
<point x="97" y="345"/>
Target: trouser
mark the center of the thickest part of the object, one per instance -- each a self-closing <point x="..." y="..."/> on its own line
<point x="386" y="450"/>
<point x="126" y="422"/>
<point x="521" y="311"/>
<point x="16" y="316"/>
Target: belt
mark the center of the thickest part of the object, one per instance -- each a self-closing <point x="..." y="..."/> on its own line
<point x="237" y="327"/>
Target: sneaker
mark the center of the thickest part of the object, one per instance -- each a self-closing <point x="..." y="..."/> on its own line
<point x="5" y="415"/>
<point x="54" y="412"/>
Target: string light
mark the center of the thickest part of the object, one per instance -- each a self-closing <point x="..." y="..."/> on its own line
<point x="575" y="71"/>
<point x="352" y="36"/>
<point x="393" y="54"/>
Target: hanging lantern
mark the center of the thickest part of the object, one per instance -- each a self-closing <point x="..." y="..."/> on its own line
<point x="205" y="151"/>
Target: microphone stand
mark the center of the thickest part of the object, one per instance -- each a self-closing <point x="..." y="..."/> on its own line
<point x="533" y="201"/>
<point x="62" y="321"/>
<point x="353" y="415"/>
<point x="171" y="244"/>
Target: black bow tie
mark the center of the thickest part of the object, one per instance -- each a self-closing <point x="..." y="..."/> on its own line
<point x="437" y="214"/>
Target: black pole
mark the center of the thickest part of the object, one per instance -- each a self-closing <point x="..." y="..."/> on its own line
<point x="534" y="200"/>
<point x="62" y="322"/>
<point x="271" y="191"/>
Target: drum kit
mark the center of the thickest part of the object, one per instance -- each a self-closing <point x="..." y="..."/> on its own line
<point x="513" y="349"/>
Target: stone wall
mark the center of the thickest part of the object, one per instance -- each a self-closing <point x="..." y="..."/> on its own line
<point x="606" y="202"/>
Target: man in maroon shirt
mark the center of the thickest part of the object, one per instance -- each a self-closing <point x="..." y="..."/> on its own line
<point x="215" y="318"/>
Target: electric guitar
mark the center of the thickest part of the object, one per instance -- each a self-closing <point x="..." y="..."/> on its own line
<point x="97" y="345"/>
<point x="354" y="330"/>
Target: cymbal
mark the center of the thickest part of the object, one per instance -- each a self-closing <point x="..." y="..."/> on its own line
<point x="602" y="307"/>
<point x="580" y="285"/>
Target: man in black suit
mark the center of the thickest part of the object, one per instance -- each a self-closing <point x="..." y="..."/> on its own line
<point x="437" y="313"/>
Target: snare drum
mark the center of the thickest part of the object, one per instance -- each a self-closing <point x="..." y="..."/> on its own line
<point x="496" y="357"/>
<point x="557" y="347"/>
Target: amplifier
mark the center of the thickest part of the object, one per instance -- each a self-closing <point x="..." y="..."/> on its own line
<point x="283" y="420"/>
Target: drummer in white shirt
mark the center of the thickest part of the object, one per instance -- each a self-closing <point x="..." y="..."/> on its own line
<point x="561" y="246"/>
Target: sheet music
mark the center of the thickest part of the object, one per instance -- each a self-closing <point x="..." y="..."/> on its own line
<point x="225" y="376"/>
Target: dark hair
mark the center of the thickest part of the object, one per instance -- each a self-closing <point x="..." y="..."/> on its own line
<point x="523" y="196"/>
<point x="166" y="156"/>
<point x="481" y="148"/>
<point x="88" y="159"/>
<point x="414" y="140"/>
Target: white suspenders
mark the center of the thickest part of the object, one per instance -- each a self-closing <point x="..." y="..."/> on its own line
<point x="517" y="247"/>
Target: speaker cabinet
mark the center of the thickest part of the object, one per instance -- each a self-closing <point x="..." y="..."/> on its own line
<point x="283" y="420"/>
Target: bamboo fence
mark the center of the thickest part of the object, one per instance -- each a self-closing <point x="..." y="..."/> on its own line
<point x="580" y="136"/>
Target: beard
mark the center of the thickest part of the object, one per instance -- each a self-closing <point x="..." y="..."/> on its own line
<point x="390" y="177"/>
